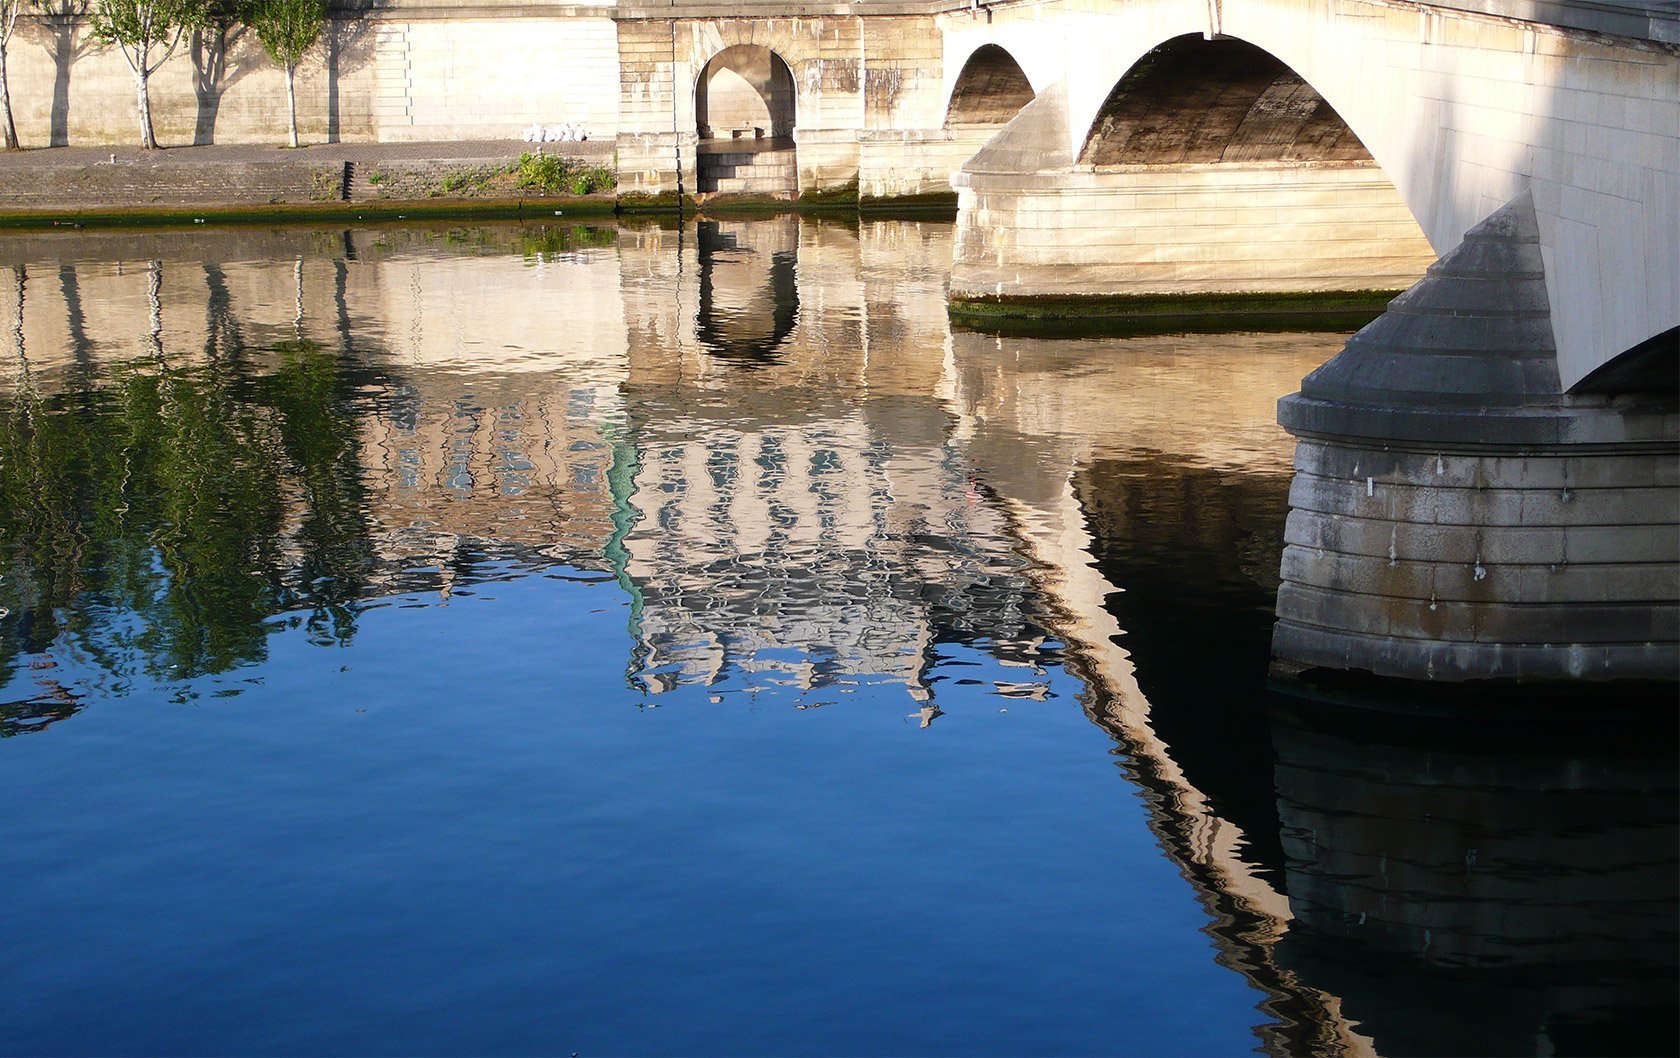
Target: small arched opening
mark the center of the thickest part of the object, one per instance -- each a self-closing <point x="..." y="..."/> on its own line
<point x="744" y="108"/>
<point x="990" y="90"/>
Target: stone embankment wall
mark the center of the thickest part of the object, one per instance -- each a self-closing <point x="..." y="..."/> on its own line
<point x="173" y="181"/>
<point x="401" y="73"/>
<point x="170" y="186"/>
<point x="1193" y="229"/>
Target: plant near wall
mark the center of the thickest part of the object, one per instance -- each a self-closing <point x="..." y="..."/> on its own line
<point x="9" y="12"/>
<point x="288" y="29"/>
<point x="146" y="32"/>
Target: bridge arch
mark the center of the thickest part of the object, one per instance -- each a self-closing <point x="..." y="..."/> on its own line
<point x="1334" y="67"/>
<point x="745" y="91"/>
<point x="1207" y="166"/>
<point x="1193" y="100"/>
<point x="990" y="89"/>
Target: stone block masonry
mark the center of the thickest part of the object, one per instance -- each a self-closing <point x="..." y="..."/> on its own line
<point x="1455" y="516"/>
<point x="132" y="185"/>
<point x="212" y="178"/>
<point x="401" y="74"/>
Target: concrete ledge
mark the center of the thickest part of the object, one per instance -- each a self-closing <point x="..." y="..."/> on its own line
<point x="1469" y="427"/>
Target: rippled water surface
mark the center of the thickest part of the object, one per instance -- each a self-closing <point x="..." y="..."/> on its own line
<point x="642" y="640"/>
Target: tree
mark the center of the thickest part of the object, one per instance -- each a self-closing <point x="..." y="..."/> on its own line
<point x="288" y="29"/>
<point x="147" y="32"/>
<point x="9" y="11"/>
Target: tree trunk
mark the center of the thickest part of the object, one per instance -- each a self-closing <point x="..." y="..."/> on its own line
<point x="143" y="100"/>
<point x="8" y="131"/>
<point x="291" y="99"/>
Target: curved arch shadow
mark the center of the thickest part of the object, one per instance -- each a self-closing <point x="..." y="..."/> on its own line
<point x="991" y="89"/>
<point x="1192" y="100"/>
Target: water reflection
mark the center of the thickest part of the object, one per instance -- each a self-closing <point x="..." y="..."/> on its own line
<point x="802" y="485"/>
<point x="1477" y="887"/>
<point x="749" y="286"/>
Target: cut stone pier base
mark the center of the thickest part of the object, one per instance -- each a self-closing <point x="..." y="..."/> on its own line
<point x="1455" y="516"/>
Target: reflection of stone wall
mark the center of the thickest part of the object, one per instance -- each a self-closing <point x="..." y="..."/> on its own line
<point x="815" y="552"/>
<point x="1201" y="400"/>
<point x="489" y="374"/>
<point x="787" y="532"/>
<point x="1477" y="892"/>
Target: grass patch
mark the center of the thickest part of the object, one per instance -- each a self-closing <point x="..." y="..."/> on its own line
<point x="552" y="175"/>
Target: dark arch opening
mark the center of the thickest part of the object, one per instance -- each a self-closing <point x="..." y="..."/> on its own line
<point x="1194" y="100"/>
<point x="990" y="90"/>
<point x="1652" y="366"/>
<point x="744" y="92"/>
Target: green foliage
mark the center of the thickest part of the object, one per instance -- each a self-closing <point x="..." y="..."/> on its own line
<point x="551" y="174"/>
<point x="286" y="28"/>
<point x="566" y="238"/>
<point x="592" y="179"/>
<point x="138" y="26"/>
<point x="542" y="172"/>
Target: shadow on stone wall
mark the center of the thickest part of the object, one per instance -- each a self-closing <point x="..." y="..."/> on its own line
<point x="60" y="21"/>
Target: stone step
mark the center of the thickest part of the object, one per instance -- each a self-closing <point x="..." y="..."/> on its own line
<point x="754" y="186"/>
<point x="747" y="172"/>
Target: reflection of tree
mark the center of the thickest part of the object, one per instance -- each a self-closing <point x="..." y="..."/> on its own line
<point x="145" y="521"/>
<point x="318" y="436"/>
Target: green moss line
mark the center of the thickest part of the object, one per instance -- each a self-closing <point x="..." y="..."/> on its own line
<point x="1167" y="313"/>
<point x="338" y="212"/>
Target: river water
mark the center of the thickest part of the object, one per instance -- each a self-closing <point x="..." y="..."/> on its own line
<point x="641" y="639"/>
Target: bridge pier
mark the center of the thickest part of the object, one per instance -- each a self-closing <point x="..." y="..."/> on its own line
<point x="1456" y="516"/>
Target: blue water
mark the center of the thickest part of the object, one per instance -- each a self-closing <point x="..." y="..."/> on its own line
<point x="463" y="833"/>
<point x="642" y="641"/>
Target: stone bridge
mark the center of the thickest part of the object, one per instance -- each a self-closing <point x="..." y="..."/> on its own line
<point x="1171" y="146"/>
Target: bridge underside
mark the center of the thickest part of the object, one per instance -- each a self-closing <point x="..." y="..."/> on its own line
<point x="1212" y="168"/>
